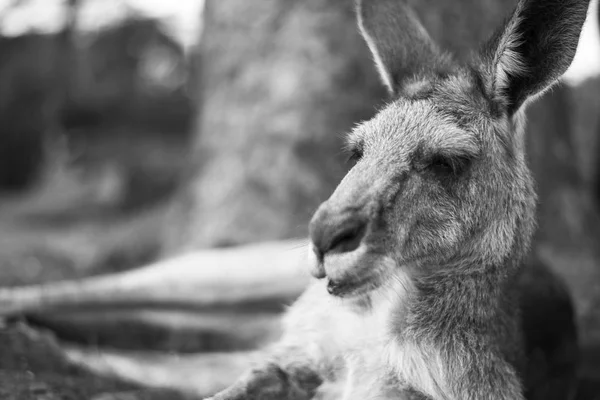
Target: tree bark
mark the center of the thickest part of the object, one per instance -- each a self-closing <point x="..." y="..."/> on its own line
<point x="281" y="82"/>
<point x="568" y="231"/>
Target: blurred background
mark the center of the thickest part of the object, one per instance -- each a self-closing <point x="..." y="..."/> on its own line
<point x="133" y="131"/>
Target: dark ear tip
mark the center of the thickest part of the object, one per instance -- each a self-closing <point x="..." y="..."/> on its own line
<point x="532" y="50"/>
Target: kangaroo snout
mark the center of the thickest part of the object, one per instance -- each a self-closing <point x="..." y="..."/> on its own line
<point x="336" y="231"/>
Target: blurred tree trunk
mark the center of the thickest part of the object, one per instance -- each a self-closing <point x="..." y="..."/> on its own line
<point x="68" y="65"/>
<point x="568" y="234"/>
<point x="282" y="80"/>
<point x="25" y="71"/>
<point x="37" y="75"/>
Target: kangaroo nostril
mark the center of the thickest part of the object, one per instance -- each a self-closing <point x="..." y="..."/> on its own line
<point x="336" y="233"/>
<point x="348" y="238"/>
<point x="333" y="288"/>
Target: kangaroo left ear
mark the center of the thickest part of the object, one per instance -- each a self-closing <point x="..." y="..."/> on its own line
<point x="532" y="50"/>
<point x="398" y="41"/>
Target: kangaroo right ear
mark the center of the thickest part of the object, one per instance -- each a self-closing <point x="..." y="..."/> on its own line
<point x="400" y="45"/>
<point x="532" y="50"/>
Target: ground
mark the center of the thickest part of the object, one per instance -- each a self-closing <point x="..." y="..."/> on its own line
<point x="76" y="222"/>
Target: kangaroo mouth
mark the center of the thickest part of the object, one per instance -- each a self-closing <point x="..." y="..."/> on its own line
<point x="352" y="288"/>
<point x="354" y="274"/>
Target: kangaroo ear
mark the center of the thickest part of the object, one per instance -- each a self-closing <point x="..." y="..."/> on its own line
<point x="400" y="45"/>
<point x="532" y="50"/>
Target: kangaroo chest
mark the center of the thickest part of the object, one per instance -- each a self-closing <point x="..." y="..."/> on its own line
<point x="369" y="336"/>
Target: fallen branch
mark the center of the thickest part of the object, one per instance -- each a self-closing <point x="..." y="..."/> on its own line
<point x="163" y="330"/>
<point x="248" y="275"/>
<point x="203" y="374"/>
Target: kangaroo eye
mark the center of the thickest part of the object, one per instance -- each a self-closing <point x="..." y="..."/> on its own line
<point x="441" y="166"/>
<point x="356" y="153"/>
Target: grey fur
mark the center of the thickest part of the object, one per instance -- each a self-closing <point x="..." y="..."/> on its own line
<point x="428" y="294"/>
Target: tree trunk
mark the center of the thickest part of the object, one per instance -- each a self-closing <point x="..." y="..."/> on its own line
<point x="282" y="81"/>
<point x="568" y="231"/>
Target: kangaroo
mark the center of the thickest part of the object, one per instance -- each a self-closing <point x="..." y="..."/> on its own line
<point x="419" y="254"/>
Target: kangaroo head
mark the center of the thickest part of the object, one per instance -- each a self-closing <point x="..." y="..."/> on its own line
<point x="440" y="182"/>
